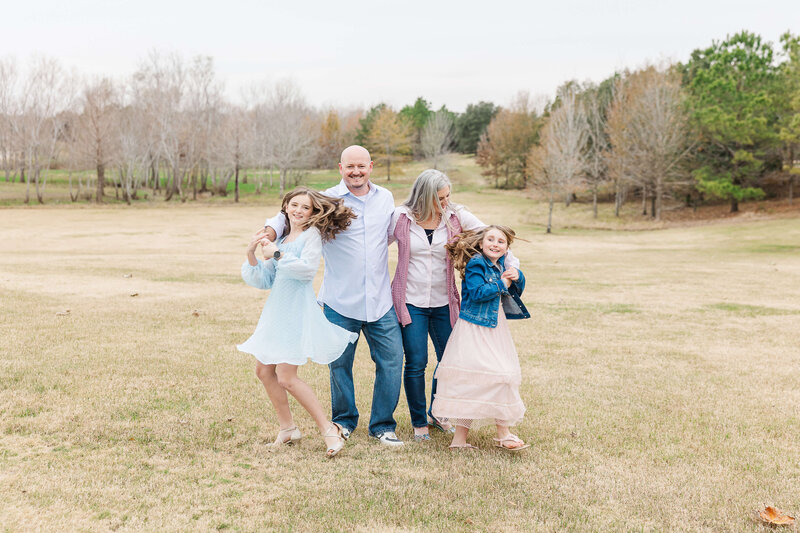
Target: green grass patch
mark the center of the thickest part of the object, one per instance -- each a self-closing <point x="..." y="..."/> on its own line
<point x="750" y="310"/>
<point x="768" y="248"/>
<point x="603" y="309"/>
<point x="29" y="412"/>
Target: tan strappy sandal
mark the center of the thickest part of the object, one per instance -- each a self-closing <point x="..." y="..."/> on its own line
<point x="288" y="436"/>
<point x="334" y="431"/>
<point x="511" y="443"/>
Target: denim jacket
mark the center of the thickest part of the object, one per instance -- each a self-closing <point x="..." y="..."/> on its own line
<point x="482" y="291"/>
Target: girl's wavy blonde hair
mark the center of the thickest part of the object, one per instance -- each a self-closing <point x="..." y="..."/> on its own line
<point x="465" y="245"/>
<point x="328" y="215"/>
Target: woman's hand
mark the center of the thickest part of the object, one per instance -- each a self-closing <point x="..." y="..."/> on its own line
<point x="267" y="232"/>
<point x="268" y="248"/>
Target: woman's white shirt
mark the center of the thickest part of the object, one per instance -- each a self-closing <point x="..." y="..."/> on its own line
<point x="427" y="266"/>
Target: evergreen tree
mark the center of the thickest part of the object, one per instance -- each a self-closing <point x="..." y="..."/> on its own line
<point x="731" y="86"/>
<point x="472" y="124"/>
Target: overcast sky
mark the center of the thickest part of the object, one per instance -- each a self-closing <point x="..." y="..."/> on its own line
<point x="360" y="53"/>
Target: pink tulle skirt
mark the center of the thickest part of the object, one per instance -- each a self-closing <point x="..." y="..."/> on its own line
<point x="479" y="376"/>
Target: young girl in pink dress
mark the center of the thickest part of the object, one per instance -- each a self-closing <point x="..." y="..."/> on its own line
<point x="479" y="375"/>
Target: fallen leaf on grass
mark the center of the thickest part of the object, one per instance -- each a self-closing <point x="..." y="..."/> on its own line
<point x="195" y="313"/>
<point x="776" y="517"/>
<point x="65" y="312"/>
<point x="127" y="275"/>
<point x="134" y="294"/>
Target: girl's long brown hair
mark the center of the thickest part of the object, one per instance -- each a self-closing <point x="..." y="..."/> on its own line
<point x="328" y="215"/>
<point x="465" y="245"/>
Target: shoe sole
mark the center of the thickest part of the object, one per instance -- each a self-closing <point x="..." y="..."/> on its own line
<point x="518" y="448"/>
<point x="398" y="444"/>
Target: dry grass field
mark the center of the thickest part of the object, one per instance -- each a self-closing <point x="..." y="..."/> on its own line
<point x="661" y="372"/>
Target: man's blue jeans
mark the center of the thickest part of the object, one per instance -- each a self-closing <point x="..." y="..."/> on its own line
<point x="386" y="349"/>
<point x="433" y="321"/>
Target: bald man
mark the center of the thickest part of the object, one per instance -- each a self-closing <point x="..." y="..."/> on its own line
<point x="356" y="295"/>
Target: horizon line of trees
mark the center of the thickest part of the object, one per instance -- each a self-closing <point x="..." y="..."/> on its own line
<point x="723" y="125"/>
<point x="169" y="128"/>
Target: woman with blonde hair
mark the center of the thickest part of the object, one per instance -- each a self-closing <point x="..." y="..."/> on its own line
<point x="423" y="289"/>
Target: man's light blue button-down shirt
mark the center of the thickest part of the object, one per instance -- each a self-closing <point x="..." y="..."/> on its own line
<point x="356" y="282"/>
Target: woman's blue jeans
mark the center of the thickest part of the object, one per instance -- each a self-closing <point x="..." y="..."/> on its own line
<point x="433" y="321"/>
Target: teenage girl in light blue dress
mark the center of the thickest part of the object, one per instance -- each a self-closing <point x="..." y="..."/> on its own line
<point x="292" y="327"/>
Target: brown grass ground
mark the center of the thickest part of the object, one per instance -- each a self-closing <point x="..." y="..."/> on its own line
<point x="660" y="372"/>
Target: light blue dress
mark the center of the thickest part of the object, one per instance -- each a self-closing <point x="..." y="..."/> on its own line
<point x="292" y="328"/>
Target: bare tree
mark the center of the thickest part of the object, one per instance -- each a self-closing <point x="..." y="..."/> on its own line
<point x="285" y="131"/>
<point x="136" y="147"/>
<point x="560" y="159"/>
<point x="489" y="158"/>
<point x="619" y="159"/>
<point x="72" y="161"/>
<point x="338" y="130"/>
<point x="8" y="114"/>
<point x="97" y="129"/>
<point x="504" y="147"/>
<point x="648" y="131"/>
<point x="597" y="141"/>
<point x="661" y="130"/>
<point x="231" y="148"/>
<point x="331" y="138"/>
<point x="159" y="85"/>
<point x="436" y="140"/>
<point x="46" y="93"/>
<point x="200" y="115"/>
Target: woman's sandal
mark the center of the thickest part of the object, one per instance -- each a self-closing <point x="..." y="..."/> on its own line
<point x="441" y="427"/>
<point x="288" y="436"/>
<point x="334" y="430"/>
<point x="465" y="446"/>
<point x="511" y="443"/>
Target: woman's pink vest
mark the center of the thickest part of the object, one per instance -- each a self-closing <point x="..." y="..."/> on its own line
<point x="400" y="281"/>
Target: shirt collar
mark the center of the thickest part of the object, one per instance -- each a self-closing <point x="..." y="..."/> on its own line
<point x="341" y="190"/>
<point x="448" y="212"/>
<point x="500" y="261"/>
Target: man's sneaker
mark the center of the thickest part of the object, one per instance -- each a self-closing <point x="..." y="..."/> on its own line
<point x="343" y="431"/>
<point x="388" y="438"/>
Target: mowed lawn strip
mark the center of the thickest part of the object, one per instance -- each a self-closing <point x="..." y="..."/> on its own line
<point x="660" y="373"/>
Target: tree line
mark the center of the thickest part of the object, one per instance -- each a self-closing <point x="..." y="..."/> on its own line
<point x="169" y="128"/>
<point x="723" y="125"/>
